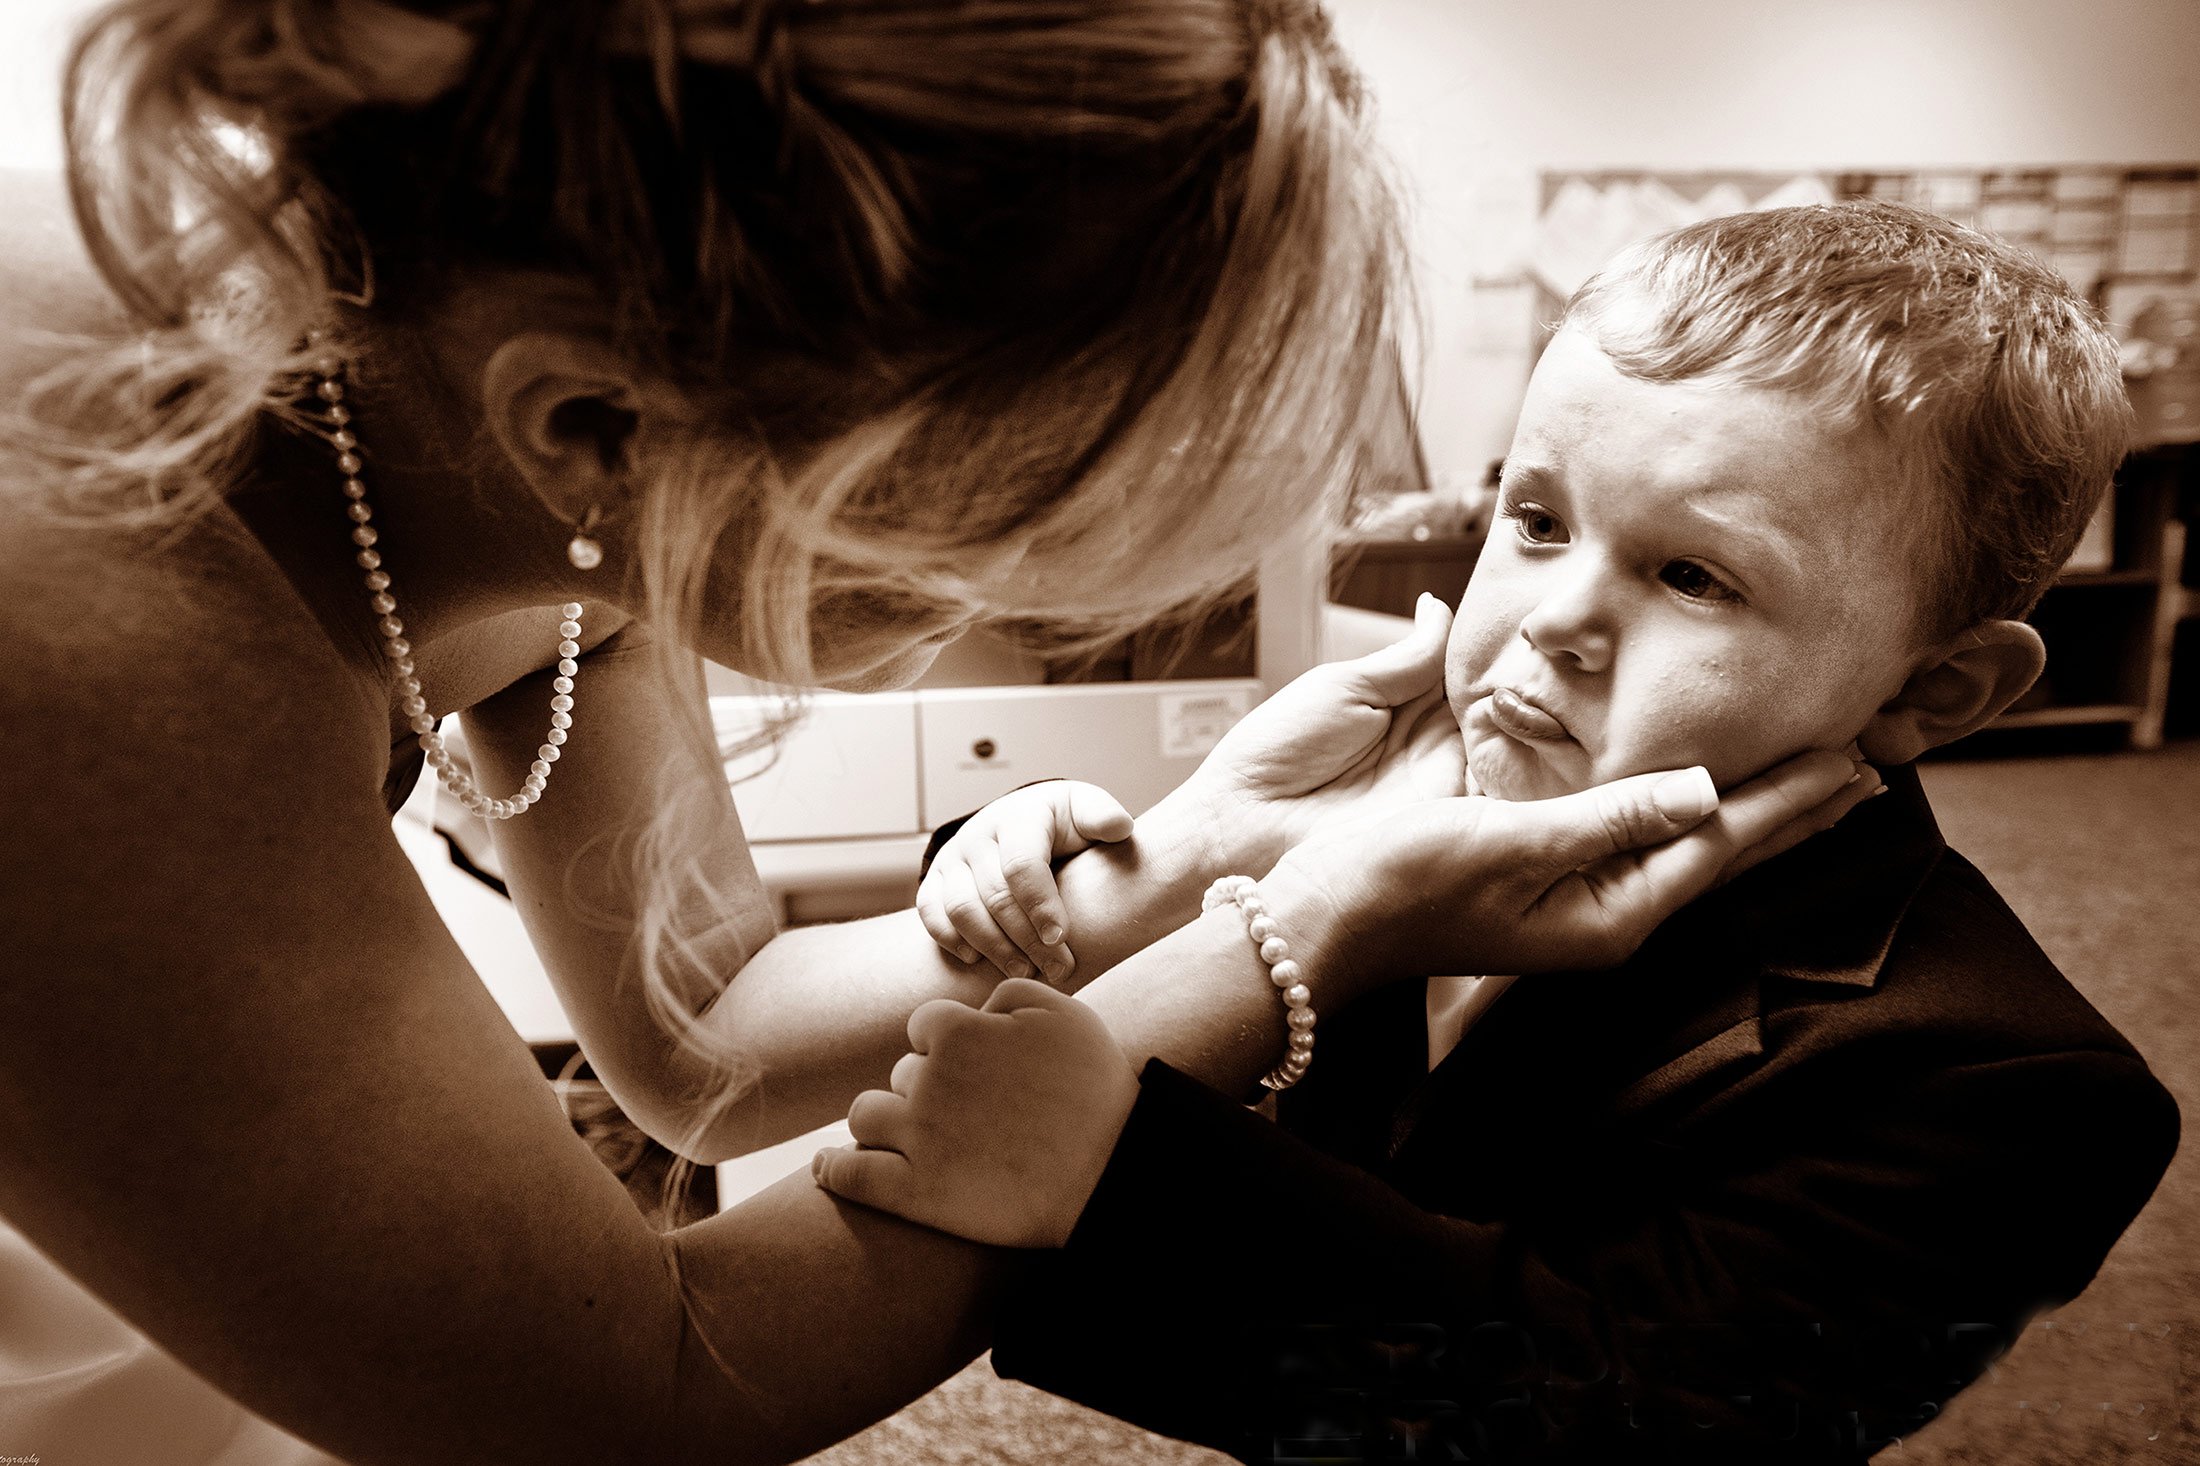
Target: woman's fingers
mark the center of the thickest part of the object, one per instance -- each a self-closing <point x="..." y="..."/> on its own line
<point x="1608" y="864"/>
<point x="1407" y="667"/>
<point x="1807" y="822"/>
<point x="1575" y="830"/>
<point x="1648" y="810"/>
<point x="1421" y="729"/>
<point x="1481" y="885"/>
<point x="1806" y="787"/>
<point x="1435" y="754"/>
<point x="1640" y="888"/>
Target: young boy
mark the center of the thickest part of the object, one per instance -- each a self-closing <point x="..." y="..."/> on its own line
<point x="1788" y="1178"/>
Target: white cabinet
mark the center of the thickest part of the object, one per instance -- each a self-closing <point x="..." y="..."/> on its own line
<point x="900" y="763"/>
<point x="847" y="770"/>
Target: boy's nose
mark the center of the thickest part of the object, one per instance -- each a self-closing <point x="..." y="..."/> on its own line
<point x="1570" y="626"/>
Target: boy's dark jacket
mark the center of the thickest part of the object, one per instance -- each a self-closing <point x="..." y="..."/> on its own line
<point x="1770" y="1192"/>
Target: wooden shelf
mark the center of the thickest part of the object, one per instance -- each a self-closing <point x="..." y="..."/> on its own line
<point x="2107" y="577"/>
<point x="2110" y="632"/>
<point x="2079" y="715"/>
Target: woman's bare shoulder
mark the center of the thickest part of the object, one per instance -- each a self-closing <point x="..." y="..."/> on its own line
<point x="164" y="668"/>
<point x="175" y="661"/>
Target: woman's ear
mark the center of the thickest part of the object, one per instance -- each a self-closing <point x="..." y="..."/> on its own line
<point x="1962" y="687"/>
<point x="564" y="409"/>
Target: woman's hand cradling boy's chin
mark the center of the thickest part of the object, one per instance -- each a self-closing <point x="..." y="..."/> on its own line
<point x="1575" y="882"/>
<point x="998" y="1123"/>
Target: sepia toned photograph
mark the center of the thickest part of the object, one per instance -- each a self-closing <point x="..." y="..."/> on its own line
<point x="1099" y="732"/>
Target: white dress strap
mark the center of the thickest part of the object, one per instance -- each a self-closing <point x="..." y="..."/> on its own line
<point x="1454" y="1003"/>
<point x="79" y="1384"/>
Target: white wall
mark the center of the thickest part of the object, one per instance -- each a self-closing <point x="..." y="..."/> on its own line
<point x="1477" y="96"/>
<point x="34" y="35"/>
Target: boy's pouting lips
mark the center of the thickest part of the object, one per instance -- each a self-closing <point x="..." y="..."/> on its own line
<point x="1691" y="572"/>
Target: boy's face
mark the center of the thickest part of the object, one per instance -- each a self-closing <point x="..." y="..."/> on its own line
<point x="1679" y="573"/>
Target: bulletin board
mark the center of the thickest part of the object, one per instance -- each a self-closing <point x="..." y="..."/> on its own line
<point x="2128" y="239"/>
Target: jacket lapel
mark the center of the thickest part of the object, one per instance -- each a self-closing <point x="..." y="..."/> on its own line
<point x="1563" y="1055"/>
<point x="1563" y="1058"/>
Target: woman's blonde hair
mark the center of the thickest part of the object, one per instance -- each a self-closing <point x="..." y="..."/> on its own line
<point x="1041" y="309"/>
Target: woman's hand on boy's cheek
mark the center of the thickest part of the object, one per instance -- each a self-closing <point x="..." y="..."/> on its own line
<point x="1803" y="820"/>
<point x="997" y="1127"/>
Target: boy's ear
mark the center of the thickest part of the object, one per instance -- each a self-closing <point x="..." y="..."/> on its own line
<point x="1962" y="687"/>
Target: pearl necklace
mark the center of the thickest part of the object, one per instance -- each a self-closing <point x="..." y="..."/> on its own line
<point x="399" y="651"/>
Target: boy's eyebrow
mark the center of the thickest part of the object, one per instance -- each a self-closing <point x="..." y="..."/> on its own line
<point x="1528" y="475"/>
<point x="1775" y="544"/>
<point x="1543" y="479"/>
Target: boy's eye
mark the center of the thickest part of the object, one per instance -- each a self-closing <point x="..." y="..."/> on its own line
<point x="1536" y="524"/>
<point x="1696" y="583"/>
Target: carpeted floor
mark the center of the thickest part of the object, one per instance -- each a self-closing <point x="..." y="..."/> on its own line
<point x="2101" y="857"/>
<point x="2100" y="854"/>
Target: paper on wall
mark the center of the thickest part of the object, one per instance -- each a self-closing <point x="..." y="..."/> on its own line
<point x="1572" y="238"/>
<point x="1801" y="191"/>
<point x="1585" y="226"/>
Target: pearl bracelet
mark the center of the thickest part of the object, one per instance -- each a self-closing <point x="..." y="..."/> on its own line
<point x="1283" y="971"/>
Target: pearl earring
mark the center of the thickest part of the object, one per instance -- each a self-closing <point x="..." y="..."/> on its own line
<point x="585" y="551"/>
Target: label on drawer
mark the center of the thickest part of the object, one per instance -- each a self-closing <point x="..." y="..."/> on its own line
<point x="1194" y="722"/>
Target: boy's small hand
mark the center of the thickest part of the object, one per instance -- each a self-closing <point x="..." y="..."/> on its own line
<point x="998" y="1125"/>
<point x="991" y="888"/>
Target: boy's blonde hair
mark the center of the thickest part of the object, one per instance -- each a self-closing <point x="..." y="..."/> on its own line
<point x="1995" y="384"/>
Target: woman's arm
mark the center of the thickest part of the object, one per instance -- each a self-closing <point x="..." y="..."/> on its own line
<point x="815" y="1015"/>
<point x="258" y="1104"/>
<point x="1200" y="1000"/>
